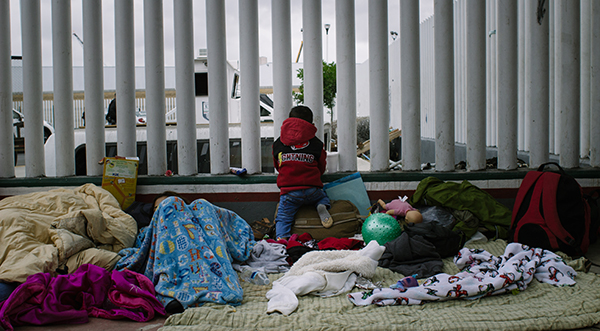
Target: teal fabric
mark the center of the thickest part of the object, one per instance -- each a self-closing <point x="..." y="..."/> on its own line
<point x="187" y="252"/>
<point x="492" y="215"/>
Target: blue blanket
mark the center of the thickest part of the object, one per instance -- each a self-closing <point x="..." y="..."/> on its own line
<point x="187" y="251"/>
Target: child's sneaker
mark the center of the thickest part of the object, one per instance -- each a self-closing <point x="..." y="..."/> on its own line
<point x="326" y="219"/>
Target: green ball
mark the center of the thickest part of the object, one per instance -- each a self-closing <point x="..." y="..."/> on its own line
<point x="380" y="227"/>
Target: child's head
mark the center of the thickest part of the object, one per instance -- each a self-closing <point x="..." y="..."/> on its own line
<point x="159" y="198"/>
<point x="302" y="112"/>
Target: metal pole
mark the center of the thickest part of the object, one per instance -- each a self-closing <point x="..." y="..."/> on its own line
<point x="507" y="84"/>
<point x="7" y="160"/>
<point x="313" y="61"/>
<point x="346" y="78"/>
<point x="569" y="78"/>
<point x="217" y="87"/>
<point x="32" y="88"/>
<point x="125" y="78"/>
<point x="595" y="87"/>
<point x="93" y="69"/>
<point x="378" y="85"/>
<point x="536" y="65"/>
<point x="444" y="85"/>
<point x="552" y="127"/>
<point x="586" y="23"/>
<point x="249" y="72"/>
<point x="476" y="85"/>
<point x="184" y="83"/>
<point x="62" y="61"/>
<point x="410" y="85"/>
<point x="155" y="87"/>
<point x="282" y="65"/>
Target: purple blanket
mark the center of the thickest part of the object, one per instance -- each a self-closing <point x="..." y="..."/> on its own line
<point x="71" y="299"/>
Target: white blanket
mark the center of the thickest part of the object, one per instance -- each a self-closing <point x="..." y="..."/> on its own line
<point x="482" y="274"/>
<point x="323" y="273"/>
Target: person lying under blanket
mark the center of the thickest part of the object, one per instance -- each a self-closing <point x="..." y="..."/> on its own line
<point x="187" y="252"/>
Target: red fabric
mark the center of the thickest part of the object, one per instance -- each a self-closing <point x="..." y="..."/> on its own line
<point x="295" y="131"/>
<point x="298" y="240"/>
<point x="339" y="243"/>
<point x="305" y="237"/>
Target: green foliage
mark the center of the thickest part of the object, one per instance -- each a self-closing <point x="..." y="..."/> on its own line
<point x="329" y="86"/>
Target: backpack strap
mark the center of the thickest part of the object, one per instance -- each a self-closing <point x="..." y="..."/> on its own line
<point x="534" y="215"/>
<point x="550" y="211"/>
<point x="530" y="178"/>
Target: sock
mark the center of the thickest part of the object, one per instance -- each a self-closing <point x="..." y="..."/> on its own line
<point x="326" y="219"/>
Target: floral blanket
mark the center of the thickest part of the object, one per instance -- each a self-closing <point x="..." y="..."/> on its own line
<point x="187" y="251"/>
<point x="482" y="274"/>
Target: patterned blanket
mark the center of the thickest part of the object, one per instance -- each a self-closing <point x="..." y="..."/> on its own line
<point x="187" y="251"/>
<point x="482" y="274"/>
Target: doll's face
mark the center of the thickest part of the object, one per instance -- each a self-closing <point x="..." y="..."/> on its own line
<point x="413" y="216"/>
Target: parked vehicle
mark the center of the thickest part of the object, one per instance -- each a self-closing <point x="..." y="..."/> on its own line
<point x="202" y="130"/>
<point x="18" y="134"/>
<point x="202" y="134"/>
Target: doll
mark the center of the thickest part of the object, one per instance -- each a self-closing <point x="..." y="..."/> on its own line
<point x="399" y="207"/>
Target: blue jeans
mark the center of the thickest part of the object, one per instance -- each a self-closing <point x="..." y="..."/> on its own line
<point x="289" y="204"/>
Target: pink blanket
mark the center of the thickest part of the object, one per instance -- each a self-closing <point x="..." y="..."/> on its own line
<point x="71" y="299"/>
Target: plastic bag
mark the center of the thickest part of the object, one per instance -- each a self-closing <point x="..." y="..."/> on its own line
<point x="351" y="188"/>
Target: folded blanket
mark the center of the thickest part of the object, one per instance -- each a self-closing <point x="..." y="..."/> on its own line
<point x="89" y="291"/>
<point x="482" y="274"/>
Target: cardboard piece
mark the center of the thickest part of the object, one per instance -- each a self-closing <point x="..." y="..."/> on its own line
<point x="119" y="177"/>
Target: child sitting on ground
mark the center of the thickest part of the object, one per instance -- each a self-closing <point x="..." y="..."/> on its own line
<point x="300" y="159"/>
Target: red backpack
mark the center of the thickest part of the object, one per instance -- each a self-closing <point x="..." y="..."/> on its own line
<point x="550" y="212"/>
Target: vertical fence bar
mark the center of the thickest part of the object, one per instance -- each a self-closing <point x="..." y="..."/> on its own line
<point x="282" y="65"/>
<point x="586" y="20"/>
<point x="507" y="84"/>
<point x="536" y="64"/>
<point x="346" y="78"/>
<point x="250" y="82"/>
<point x="93" y="68"/>
<point x="155" y="87"/>
<point x="568" y="78"/>
<point x="125" y="78"/>
<point x="595" y="87"/>
<point x="33" y="104"/>
<point x="444" y="85"/>
<point x="187" y="150"/>
<point x="7" y="149"/>
<point x="378" y="85"/>
<point x="410" y="85"/>
<point x="62" y="61"/>
<point x="313" y="61"/>
<point x="476" y="85"/>
<point x="554" y="139"/>
<point x="217" y="87"/>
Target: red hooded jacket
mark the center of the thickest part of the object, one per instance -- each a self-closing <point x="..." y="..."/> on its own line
<point x="298" y="156"/>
